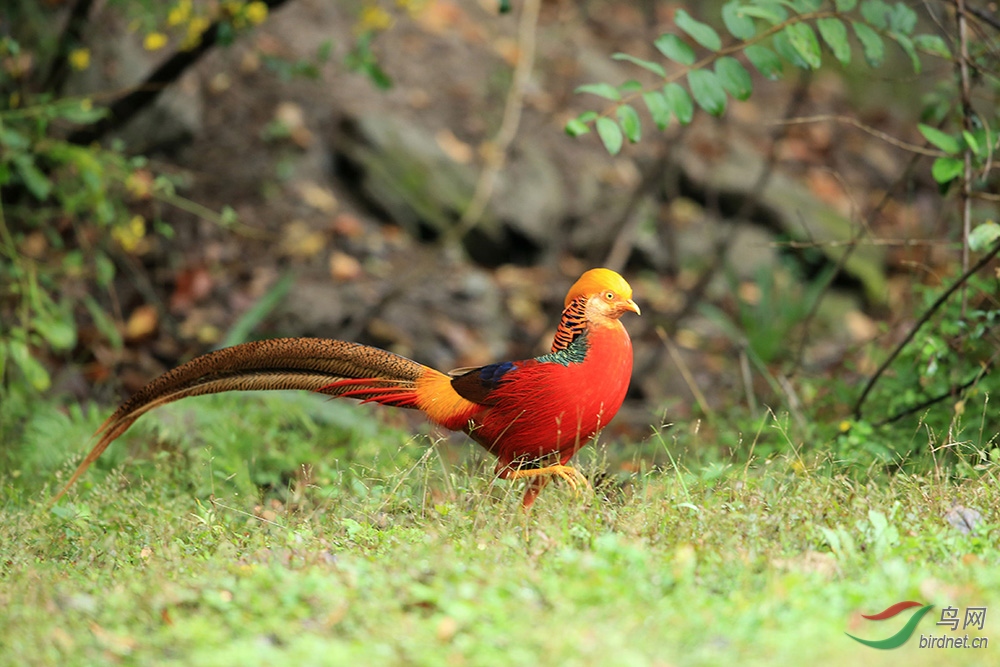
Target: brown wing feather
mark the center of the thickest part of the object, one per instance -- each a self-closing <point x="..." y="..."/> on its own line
<point x="311" y="364"/>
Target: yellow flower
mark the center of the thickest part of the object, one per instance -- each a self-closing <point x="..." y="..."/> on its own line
<point x="129" y="236"/>
<point x="154" y="41"/>
<point x="374" y="18"/>
<point x="256" y="12"/>
<point x="197" y="26"/>
<point x="180" y="13"/>
<point x="79" y="59"/>
<point x="844" y="426"/>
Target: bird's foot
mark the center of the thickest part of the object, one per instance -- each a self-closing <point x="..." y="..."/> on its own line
<point x="539" y="476"/>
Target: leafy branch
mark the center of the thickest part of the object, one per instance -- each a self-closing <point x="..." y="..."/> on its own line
<point x="768" y="37"/>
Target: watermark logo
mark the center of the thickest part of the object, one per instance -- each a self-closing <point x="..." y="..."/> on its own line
<point x="904" y="633"/>
<point x="974" y="618"/>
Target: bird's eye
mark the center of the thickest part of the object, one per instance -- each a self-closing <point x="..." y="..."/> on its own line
<point x="610" y="296"/>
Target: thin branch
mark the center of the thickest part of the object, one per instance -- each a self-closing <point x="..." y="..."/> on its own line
<point x="623" y="232"/>
<point x="967" y="112"/>
<point x="686" y="374"/>
<point x="496" y="153"/>
<point x="852" y="245"/>
<point x="129" y="105"/>
<point x="721" y="246"/>
<point x="952" y="391"/>
<point x="70" y="36"/>
<point x="847" y="120"/>
<point x="942" y="298"/>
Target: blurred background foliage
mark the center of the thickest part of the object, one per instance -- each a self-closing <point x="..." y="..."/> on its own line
<point x="114" y="245"/>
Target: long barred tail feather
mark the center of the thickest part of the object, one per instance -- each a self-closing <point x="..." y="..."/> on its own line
<point x="331" y="367"/>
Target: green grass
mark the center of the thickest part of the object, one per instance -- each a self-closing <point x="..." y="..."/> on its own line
<point x="214" y="545"/>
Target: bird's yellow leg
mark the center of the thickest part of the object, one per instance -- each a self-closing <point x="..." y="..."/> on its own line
<point x="572" y="476"/>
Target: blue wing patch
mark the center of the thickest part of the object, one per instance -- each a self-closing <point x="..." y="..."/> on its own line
<point x="476" y="383"/>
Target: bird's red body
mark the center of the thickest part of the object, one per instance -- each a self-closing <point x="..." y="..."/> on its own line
<point x="547" y="407"/>
<point x="533" y="415"/>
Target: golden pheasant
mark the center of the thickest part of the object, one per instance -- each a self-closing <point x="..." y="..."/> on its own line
<point x="533" y="415"/>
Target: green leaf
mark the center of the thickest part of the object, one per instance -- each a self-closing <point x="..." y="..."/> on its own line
<point x="675" y="48"/>
<point x="700" y="32"/>
<point x="655" y="68"/>
<point x="13" y="140"/>
<point x="902" y="19"/>
<point x="575" y="127"/>
<point x="610" y="134"/>
<point x="251" y="319"/>
<point x="834" y="33"/>
<point x="871" y="42"/>
<point x="803" y="40"/>
<point x="630" y="86"/>
<point x="946" y="169"/>
<point x="737" y="23"/>
<point x="984" y="236"/>
<point x="605" y="90"/>
<point x="803" y="6"/>
<point x="679" y="102"/>
<point x="970" y="141"/>
<point x="765" y="60"/>
<point x="939" y="139"/>
<point x="906" y="44"/>
<point x="876" y="12"/>
<point x="707" y="91"/>
<point x="772" y="12"/>
<point x="103" y="322"/>
<point x="658" y="108"/>
<point x="56" y="328"/>
<point x="34" y="372"/>
<point x="784" y="48"/>
<point x="734" y="77"/>
<point x="932" y="44"/>
<point x="82" y="112"/>
<point x="630" y="123"/>
<point x="845" y="5"/>
<point x="34" y="180"/>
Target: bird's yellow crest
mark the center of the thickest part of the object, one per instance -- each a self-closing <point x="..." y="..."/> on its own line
<point x="596" y="281"/>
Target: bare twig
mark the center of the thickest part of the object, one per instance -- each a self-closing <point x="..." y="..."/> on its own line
<point x="967" y="112"/>
<point x="984" y="16"/>
<point x="127" y="106"/>
<point x="942" y="298"/>
<point x="694" y="295"/>
<point x="699" y="397"/>
<point x="952" y="391"/>
<point x="852" y="245"/>
<point x="867" y="129"/>
<point x="59" y="69"/>
<point x="496" y="150"/>
<point x="624" y="231"/>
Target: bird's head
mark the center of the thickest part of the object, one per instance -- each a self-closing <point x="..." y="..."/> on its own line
<point x="606" y="292"/>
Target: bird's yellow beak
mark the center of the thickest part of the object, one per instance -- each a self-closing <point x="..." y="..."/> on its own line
<point x="631" y="305"/>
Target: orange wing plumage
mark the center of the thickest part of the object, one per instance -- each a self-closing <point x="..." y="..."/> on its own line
<point x="533" y="414"/>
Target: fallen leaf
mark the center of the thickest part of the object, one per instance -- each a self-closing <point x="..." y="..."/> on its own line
<point x="191" y="286"/>
<point x="348" y="225"/>
<point x="453" y="147"/>
<point x="141" y="323"/>
<point x="299" y="240"/>
<point x="317" y="196"/>
<point x="343" y="267"/>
